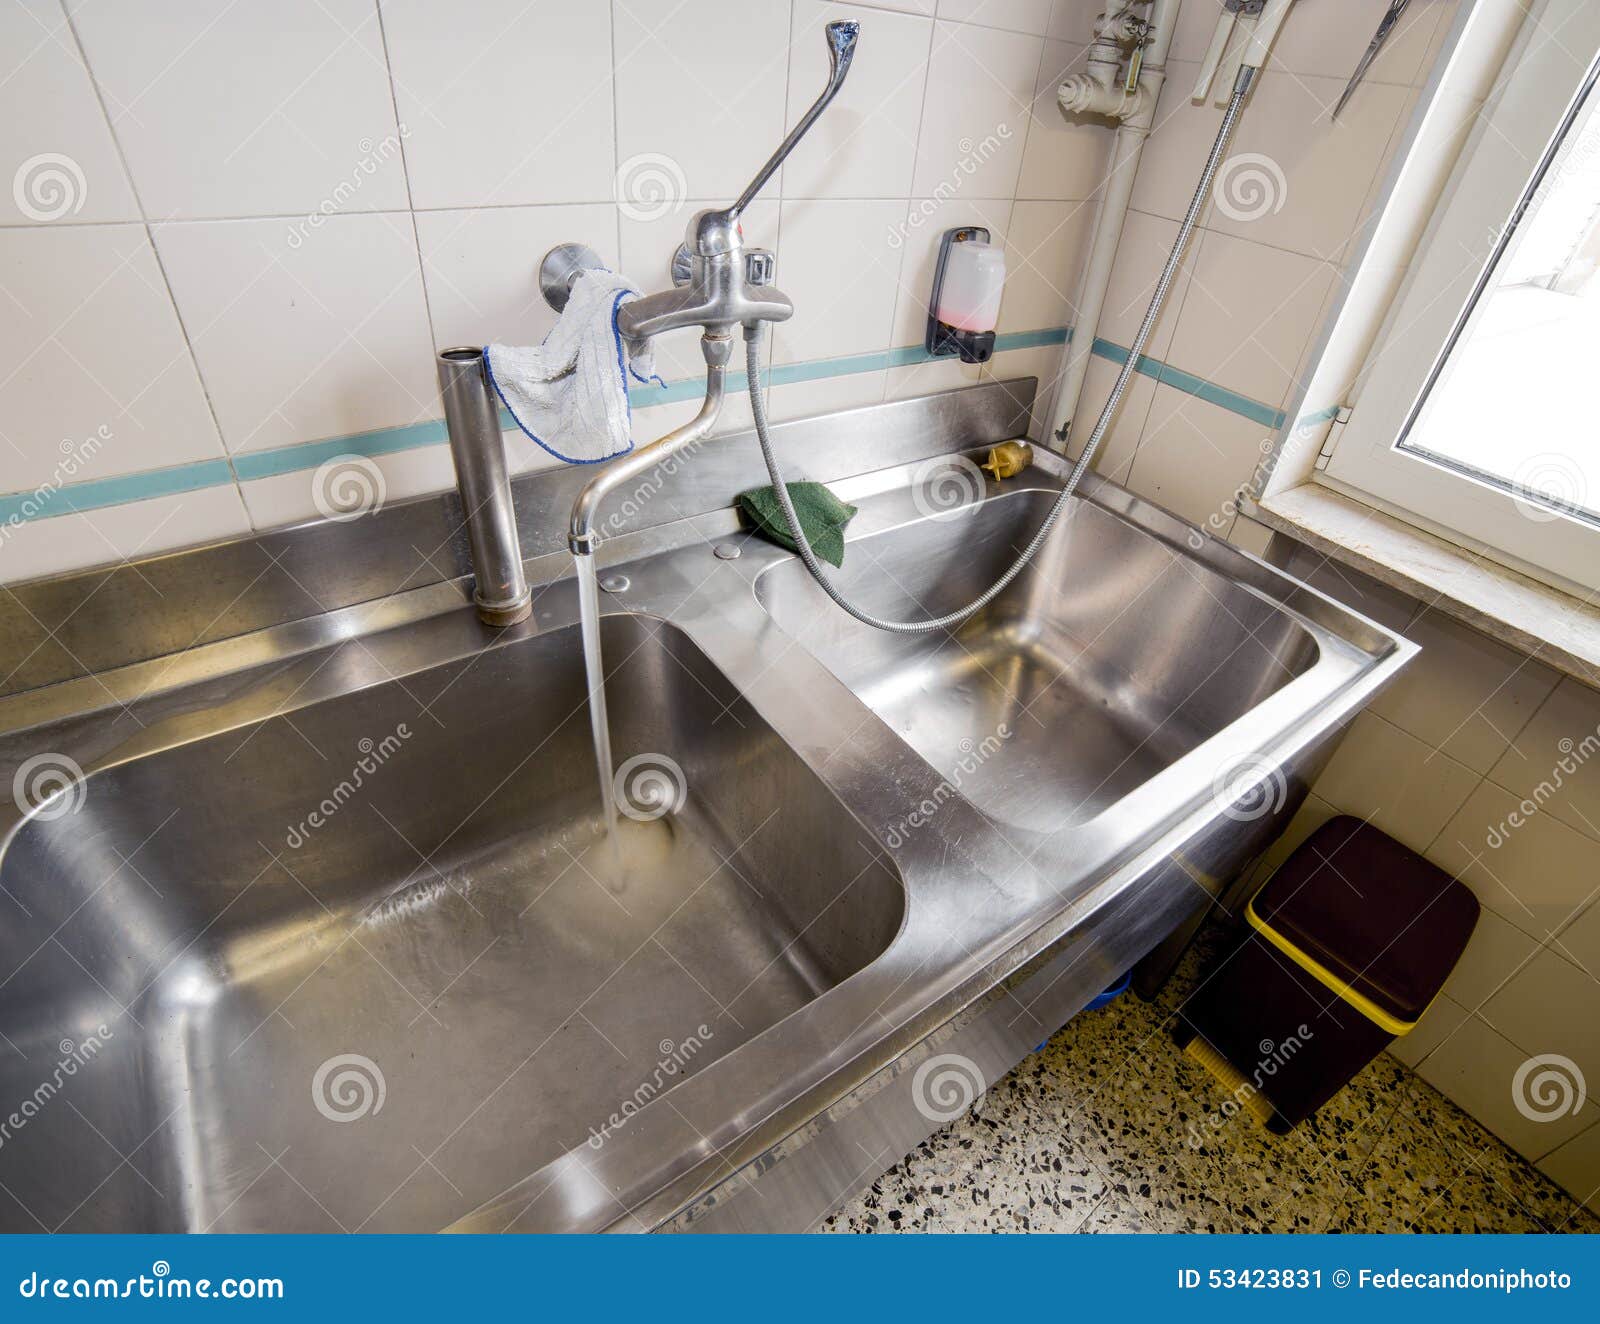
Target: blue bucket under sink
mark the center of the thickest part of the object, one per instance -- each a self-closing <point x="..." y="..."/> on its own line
<point x="1101" y="999"/>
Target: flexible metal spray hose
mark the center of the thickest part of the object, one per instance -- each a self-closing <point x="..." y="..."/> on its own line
<point x="1163" y="286"/>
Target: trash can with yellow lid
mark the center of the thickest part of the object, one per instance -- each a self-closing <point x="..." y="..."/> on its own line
<point x="1347" y="945"/>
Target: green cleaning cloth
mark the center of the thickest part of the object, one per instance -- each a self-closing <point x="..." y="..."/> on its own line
<point x="822" y="518"/>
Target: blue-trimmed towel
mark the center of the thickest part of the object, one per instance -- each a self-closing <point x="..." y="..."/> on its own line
<point x="570" y="394"/>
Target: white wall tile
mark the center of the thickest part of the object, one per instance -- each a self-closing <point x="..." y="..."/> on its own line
<point x="1465" y="694"/>
<point x="825" y="396"/>
<point x="703" y="94"/>
<point x="942" y="374"/>
<point x="505" y="101"/>
<point x="865" y="146"/>
<point x="1250" y="536"/>
<point x="1538" y="875"/>
<point x="1442" y="1019"/>
<point x="1169" y="167"/>
<point x="1046" y="244"/>
<point x="1142" y="252"/>
<point x="1555" y="759"/>
<point x="247" y="110"/>
<point x="55" y="145"/>
<point x="91" y="341"/>
<point x="293" y="498"/>
<point x="1496" y="951"/>
<point x="1378" y="774"/>
<point x="1576" y="1164"/>
<point x="1549" y="1007"/>
<point x="926" y="8"/>
<point x="1579" y="942"/>
<point x="481" y="267"/>
<point x="1248" y="312"/>
<point x="975" y="116"/>
<point x="1043" y="363"/>
<point x="1194" y="456"/>
<point x="121" y="533"/>
<point x="844" y="258"/>
<point x="1072" y="20"/>
<point x="1017" y="15"/>
<point x="1327" y="39"/>
<point x="1314" y="172"/>
<point x="294" y="343"/>
<point x="1475" y="1067"/>
<point x="1114" y="459"/>
<point x="1064" y="158"/>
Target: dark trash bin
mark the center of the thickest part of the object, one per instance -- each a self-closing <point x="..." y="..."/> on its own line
<point x="1347" y="945"/>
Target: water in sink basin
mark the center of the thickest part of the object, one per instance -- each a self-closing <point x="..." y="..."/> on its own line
<point x="439" y="991"/>
<point x="1111" y="656"/>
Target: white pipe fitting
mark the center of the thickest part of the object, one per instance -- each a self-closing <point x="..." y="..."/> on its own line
<point x="1085" y="94"/>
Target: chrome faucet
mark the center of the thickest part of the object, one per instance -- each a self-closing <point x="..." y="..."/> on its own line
<point x="717" y="285"/>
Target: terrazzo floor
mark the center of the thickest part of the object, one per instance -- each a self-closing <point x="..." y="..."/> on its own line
<point x="1108" y="1130"/>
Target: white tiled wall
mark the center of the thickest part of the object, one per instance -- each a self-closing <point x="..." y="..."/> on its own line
<point x="1266" y="265"/>
<point x="269" y="217"/>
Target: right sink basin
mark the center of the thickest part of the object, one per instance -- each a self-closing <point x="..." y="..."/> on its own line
<point x="1109" y="658"/>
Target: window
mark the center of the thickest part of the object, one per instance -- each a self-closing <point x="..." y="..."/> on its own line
<point x="1480" y="414"/>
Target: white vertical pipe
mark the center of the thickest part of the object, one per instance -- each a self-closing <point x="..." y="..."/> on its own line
<point x="1110" y="216"/>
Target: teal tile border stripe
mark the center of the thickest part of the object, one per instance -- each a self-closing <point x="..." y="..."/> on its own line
<point x="1198" y="387"/>
<point x="73" y="498"/>
<point x="95" y="494"/>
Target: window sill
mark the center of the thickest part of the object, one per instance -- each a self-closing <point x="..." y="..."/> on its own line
<point x="1555" y="627"/>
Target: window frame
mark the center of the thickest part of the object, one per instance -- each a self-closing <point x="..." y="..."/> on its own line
<point x="1550" y="81"/>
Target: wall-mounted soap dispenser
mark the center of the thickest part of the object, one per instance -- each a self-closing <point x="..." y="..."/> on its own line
<point x="965" y="305"/>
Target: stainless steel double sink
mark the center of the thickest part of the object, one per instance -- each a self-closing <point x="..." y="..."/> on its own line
<point x="329" y="939"/>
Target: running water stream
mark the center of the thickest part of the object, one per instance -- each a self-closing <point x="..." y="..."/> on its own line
<point x="594" y="668"/>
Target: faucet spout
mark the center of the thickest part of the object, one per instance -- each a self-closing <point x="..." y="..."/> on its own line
<point x="581" y="536"/>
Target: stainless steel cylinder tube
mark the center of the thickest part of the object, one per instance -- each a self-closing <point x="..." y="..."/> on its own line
<point x="473" y="419"/>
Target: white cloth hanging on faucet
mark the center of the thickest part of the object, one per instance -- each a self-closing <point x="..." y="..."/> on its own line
<point x="570" y="393"/>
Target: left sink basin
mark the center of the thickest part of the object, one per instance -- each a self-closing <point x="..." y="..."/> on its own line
<point x="367" y="963"/>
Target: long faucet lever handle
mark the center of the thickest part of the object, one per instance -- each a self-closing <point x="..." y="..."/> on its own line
<point x="841" y="38"/>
